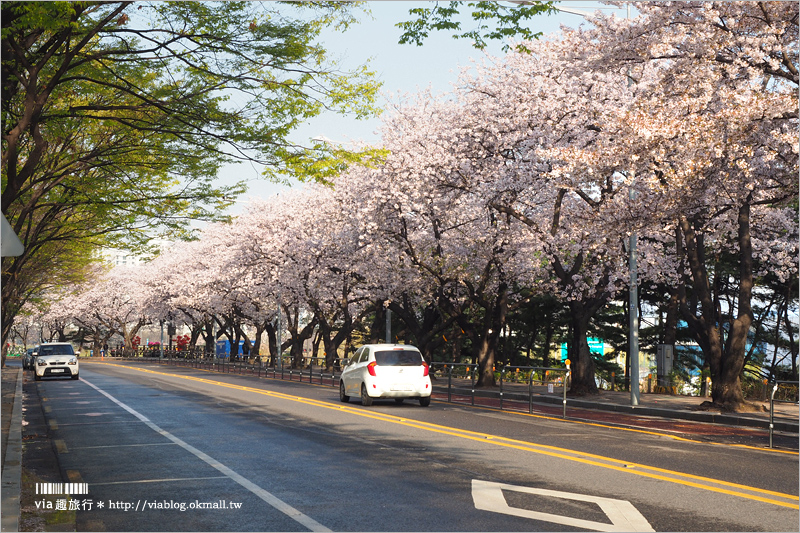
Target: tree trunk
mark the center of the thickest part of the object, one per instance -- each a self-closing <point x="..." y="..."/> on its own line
<point x="725" y="358"/>
<point x="272" y="343"/>
<point x="582" y="364"/>
<point x="298" y="336"/>
<point x="377" y="331"/>
<point x="256" y="351"/>
<point x="331" y="341"/>
<point x="494" y="322"/>
<point x="727" y="389"/>
<point x="548" y="340"/>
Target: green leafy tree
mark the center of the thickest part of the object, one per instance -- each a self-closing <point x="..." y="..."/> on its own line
<point x="493" y="21"/>
<point x="116" y="117"/>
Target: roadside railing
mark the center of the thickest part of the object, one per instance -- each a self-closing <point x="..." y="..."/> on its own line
<point x="515" y="383"/>
<point x="790" y="389"/>
<point x="311" y="370"/>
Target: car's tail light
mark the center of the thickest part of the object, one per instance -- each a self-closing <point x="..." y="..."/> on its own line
<point x="424" y="369"/>
<point x="371" y="368"/>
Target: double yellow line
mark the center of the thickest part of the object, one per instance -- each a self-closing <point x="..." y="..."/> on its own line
<point x="710" y="484"/>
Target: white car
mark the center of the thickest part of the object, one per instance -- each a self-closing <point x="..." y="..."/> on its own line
<point x="386" y="371"/>
<point x="56" y="359"/>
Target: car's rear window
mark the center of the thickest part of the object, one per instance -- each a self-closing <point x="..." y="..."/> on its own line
<point x="59" y="349"/>
<point x="398" y="358"/>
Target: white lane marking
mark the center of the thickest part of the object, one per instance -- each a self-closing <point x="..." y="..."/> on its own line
<point x="166" y="480"/>
<point x="272" y="500"/>
<point x="115" y="446"/>
<point x="488" y="496"/>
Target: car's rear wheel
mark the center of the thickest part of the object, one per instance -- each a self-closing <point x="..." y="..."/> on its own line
<point x="342" y="396"/>
<point x="366" y="399"/>
<point x="425" y="401"/>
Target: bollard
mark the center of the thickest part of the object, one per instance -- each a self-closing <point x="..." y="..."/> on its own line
<point x="449" y="384"/>
<point x="502" y="373"/>
<point x="772" y="412"/>
<point x="472" y="381"/>
<point x="566" y="377"/>
<point x="530" y="393"/>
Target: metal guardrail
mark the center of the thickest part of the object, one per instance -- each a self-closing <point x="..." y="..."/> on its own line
<point x="772" y="402"/>
<point x="278" y="369"/>
<point x="547" y="379"/>
<point x="507" y="375"/>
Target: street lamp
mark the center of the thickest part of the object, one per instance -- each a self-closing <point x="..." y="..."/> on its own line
<point x="388" y="324"/>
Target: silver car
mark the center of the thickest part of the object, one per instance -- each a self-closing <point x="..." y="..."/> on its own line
<point x="29" y="358"/>
<point x="56" y="359"/>
<point x="395" y="371"/>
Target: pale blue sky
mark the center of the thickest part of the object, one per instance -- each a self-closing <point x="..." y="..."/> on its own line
<point x="403" y="68"/>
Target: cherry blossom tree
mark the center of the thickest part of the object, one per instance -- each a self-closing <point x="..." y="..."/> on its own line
<point x="449" y="236"/>
<point x="717" y="114"/>
<point x="110" y="303"/>
<point x="528" y="146"/>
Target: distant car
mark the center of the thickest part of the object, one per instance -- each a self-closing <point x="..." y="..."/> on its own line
<point x="56" y="359"/>
<point x="386" y="371"/>
<point x="29" y="358"/>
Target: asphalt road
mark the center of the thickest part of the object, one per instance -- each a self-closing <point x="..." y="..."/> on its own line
<point x="177" y="449"/>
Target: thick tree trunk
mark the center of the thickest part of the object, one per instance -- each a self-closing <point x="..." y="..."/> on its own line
<point x="725" y="357"/>
<point x="582" y="364"/>
<point x="298" y="336"/>
<point x="494" y="322"/>
<point x="333" y="338"/>
<point x="272" y="343"/>
<point x="377" y="331"/>
<point x="256" y="351"/>
<point x="726" y="390"/>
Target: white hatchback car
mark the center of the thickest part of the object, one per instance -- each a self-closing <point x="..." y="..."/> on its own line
<point x="386" y="371"/>
<point x="56" y="359"/>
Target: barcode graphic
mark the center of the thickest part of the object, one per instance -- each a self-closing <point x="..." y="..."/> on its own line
<point x="62" y="488"/>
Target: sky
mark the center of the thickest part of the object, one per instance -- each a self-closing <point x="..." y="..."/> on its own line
<point x="403" y="69"/>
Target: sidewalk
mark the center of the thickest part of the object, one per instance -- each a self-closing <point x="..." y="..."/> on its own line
<point x="12" y="446"/>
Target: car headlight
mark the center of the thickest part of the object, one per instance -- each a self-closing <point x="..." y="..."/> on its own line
<point x="41" y="362"/>
<point x="72" y="361"/>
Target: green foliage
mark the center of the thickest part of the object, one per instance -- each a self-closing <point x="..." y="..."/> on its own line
<point x="117" y="117"/>
<point x="508" y="22"/>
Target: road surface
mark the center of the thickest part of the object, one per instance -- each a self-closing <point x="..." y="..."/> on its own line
<point x="155" y="448"/>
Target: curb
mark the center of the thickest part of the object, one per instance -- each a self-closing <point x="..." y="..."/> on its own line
<point x="12" y="468"/>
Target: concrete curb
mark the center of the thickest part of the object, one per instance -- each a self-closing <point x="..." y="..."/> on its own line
<point x="12" y="468"/>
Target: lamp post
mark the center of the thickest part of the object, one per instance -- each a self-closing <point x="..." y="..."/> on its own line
<point x="280" y="340"/>
<point x="633" y="308"/>
<point x="388" y="325"/>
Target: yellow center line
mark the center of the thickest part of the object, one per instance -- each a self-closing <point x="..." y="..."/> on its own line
<point x="627" y="467"/>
